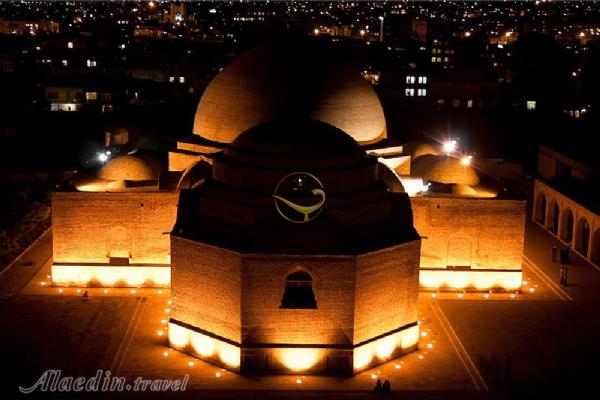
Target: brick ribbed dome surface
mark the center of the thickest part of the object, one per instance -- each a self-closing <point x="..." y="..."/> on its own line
<point x="303" y="78"/>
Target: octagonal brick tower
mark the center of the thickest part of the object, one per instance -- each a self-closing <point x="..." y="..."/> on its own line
<point x="263" y="285"/>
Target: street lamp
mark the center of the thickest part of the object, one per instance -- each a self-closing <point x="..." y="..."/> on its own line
<point x="381" y="28"/>
<point x="449" y="146"/>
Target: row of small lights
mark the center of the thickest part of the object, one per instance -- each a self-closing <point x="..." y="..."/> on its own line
<point x="78" y="290"/>
<point x="531" y="288"/>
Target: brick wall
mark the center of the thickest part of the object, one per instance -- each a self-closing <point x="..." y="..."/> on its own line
<point x="480" y="233"/>
<point x="387" y="284"/>
<point x="263" y="287"/>
<point x="91" y="227"/>
<point x="206" y="286"/>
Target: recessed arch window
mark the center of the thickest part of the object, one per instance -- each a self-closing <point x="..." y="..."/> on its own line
<point x="298" y="291"/>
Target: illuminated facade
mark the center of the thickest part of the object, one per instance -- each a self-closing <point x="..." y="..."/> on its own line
<point x="260" y="287"/>
<point x="287" y="246"/>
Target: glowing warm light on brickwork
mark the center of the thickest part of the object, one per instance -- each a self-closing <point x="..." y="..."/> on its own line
<point x="409" y="337"/>
<point x="299" y="359"/>
<point x="218" y="374"/>
<point x="122" y="276"/>
<point x="178" y="336"/>
<point x="434" y="278"/>
<point x="202" y="344"/>
<point x="229" y="354"/>
<point x="160" y="333"/>
<point x="386" y="346"/>
<point x="362" y="357"/>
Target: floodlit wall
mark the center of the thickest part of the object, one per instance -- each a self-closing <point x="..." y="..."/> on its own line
<point x="470" y="233"/>
<point x="93" y="227"/>
<point x="264" y="281"/>
<point x="206" y="286"/>
<point x="387" y="284"/>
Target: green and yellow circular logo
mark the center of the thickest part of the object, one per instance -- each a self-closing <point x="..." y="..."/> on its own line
<point x="299" y="197"/>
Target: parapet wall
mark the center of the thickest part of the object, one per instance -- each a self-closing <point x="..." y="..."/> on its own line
<point x="470" y="233"/>
<point x="94" y="227"/>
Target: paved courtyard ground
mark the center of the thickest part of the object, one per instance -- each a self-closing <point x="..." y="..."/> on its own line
<point x="541" y="341"/>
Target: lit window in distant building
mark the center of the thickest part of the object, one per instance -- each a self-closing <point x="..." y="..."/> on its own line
<point x="445" y="59"/>
<point x="70" y="45"/>
<point x="423" y="80"/>
<point x="439" y="59"/>
<point x="91" y="63"/>
<point x="182" y="79"/>
<point x="171" y="79"/>
<point x="455" y="103"/>
<point x="107" y="108"/>
<point x="441" y="102"/>
<point x="410" y="79"/>
<point x="433" y="59"/>
<point x="65" y="62"/>
<point x="531" y="104"/>
<point x="469" y="103"/>
<point x="409" y="92"/>
<point x="422" y="92"/>
<point x="91" y="96"/>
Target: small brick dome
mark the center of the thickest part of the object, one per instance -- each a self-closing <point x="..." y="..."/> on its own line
<point x="444" y="169"/>
<point x="129" y="168"/>
<point x="424" y="149"/>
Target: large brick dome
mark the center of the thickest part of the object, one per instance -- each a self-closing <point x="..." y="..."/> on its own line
<point x="305" y="78"/>
<point x="235" y="208"/>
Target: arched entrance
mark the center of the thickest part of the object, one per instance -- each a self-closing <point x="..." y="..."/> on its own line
<point x="540" y="209"/>
<point x="566" y="229"/>
<point x="553" y="217"/>
<point x="582" y="236"/>
<point x="596" y="247"/>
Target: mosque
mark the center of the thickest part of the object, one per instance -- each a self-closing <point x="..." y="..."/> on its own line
<point x="292" y="239"/>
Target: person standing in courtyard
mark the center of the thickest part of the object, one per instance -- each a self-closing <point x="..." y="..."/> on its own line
<point x="564" y="274"/>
